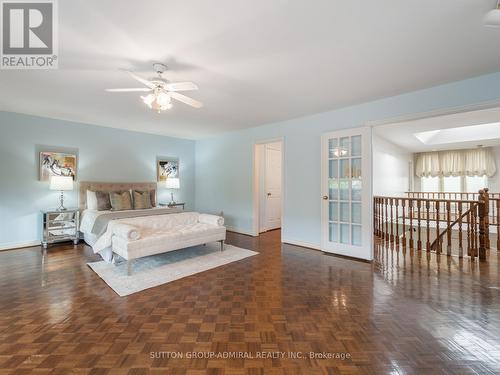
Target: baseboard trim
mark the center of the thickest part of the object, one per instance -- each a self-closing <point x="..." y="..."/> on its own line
<point x="302" y="244"/>
<point x="240" y="231"/>
<point x="18" y="245"/>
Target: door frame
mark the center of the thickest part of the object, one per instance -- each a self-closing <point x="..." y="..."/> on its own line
<point x="258" y="174"/>
<point x="364" y="131"/>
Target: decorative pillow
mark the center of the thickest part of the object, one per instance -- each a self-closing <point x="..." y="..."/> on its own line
<point x="91" y="200"/>
<point x="120" y="200"/>
<point x="103" y="202"/>
<point x="142" y="200"/>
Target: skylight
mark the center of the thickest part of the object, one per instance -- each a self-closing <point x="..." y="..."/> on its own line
<point x="461" y="134"/>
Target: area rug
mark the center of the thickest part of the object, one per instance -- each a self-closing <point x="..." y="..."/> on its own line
<point x="160" y="269"/>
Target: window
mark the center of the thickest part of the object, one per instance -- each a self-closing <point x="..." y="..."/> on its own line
<point x="430" y="184"/>
<point x="453" y="184"/>
<point x="475" y="183"/>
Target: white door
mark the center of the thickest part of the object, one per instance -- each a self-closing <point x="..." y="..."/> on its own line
<point x="347" y="193"/>
<point x="272" y="186"/>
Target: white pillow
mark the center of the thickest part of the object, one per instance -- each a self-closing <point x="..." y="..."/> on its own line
<point x="91" y="200"/>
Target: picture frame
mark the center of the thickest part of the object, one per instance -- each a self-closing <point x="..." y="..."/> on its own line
<point x="53" y="163"/>
<point x="167" y="168"/>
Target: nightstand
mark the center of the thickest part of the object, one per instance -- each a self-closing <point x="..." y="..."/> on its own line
<point x="172" y="205"/>
<point x="59" y="226"/>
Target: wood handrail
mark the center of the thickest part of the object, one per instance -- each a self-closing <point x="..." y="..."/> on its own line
<point x="427" y="199"/>
<point x="449" y="227"/>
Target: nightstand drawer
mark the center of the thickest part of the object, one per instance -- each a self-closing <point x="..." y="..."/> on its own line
<point x="61" y="216"/>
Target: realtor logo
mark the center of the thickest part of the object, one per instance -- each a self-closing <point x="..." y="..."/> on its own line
<point x="29" y="34"/>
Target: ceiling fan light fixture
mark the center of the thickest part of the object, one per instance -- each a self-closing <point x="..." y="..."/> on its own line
<point x="161" y="91"/>
<point x="492" y="18"/>
<point x="158" y="101"/>
<point x="163" y="99"/>
<point x="148" y="99"/>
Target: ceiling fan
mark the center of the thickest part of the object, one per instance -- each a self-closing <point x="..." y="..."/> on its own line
<point x="162" y="91"/>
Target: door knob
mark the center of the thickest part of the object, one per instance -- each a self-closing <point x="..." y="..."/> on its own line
<point x="325" y="197"/>
<point x="268" y="194"/>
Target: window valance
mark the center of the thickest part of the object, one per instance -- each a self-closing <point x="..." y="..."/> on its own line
<point x="473" y="162"/>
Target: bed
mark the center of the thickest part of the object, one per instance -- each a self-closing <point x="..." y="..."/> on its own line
<point x="133" y="234"/>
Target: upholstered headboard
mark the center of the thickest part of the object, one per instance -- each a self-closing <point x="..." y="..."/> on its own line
<point x="110" y="186"/>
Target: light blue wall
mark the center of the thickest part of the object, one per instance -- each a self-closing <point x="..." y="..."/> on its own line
<point x="224" y="164"/>
<point x="104" y="154"/>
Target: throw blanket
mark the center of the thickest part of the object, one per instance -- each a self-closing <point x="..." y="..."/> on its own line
<point x="102" y="221"/>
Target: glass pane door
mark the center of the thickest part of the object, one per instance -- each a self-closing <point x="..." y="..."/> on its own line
<point x="347" y="169"/>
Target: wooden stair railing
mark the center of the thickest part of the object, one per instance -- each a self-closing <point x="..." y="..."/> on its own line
<point x="421" y="221"/>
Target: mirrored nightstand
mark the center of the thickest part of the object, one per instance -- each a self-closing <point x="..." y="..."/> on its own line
<point x="59" y="226"/>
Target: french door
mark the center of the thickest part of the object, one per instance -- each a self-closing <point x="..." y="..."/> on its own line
<point x="347" y="193"/>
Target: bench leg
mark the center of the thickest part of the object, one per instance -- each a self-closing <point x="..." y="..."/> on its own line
<point x="221" y="245"/>
<point x="129" y="267"/>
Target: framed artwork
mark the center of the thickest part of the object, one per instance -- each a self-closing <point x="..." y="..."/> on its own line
<point x="167" y="168"/>
<point x="57" y="164"/>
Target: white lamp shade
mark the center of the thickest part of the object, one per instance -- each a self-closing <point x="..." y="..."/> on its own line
<point x="172" y="183"/>
<point x="492" y="18"/>
<point x="61" y="183"/>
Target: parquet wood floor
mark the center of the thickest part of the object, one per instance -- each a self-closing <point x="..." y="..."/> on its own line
<point x="405" y="313"/>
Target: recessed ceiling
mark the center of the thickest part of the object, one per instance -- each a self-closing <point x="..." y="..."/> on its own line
<point x="471" y="133"/>
<point x="255" y="62"/>
<point x="446" y="132"/>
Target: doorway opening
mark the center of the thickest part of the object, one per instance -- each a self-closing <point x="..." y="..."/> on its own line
<point x="268" y="186"/>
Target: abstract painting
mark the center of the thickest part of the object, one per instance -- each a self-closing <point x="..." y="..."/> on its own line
<point x="57" y="164"/>
<point x="167" y="168"/>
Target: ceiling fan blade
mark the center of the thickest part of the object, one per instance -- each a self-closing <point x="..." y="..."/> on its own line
<point x="141" y="80"/>
<point x="138" y="89"/>
<point x="181" y="86"/>
<point x="186" y="100"/>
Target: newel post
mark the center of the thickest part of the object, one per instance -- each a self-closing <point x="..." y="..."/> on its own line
<point x="482" y="224"/>
<point x="487" y="217"/>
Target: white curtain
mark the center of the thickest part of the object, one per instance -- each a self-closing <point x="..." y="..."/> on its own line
<point x="473" y="162"/>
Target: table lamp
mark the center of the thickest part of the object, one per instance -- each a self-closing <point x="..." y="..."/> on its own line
<point x="61" y="183"/>
<point x="172" y="183"/>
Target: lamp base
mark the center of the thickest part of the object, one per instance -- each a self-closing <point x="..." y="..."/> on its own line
<point x="61" y="203"/>
<point x="172" y="199"/>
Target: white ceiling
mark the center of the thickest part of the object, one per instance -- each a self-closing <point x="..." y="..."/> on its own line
<point x="255" y="62"/>
<point x="402" y="134"/>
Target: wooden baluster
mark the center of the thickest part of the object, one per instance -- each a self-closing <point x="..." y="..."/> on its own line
<point x="473" y="232"/>
<point x="427" y="206"/>
<point x="392" y="220"/>
<point x="377" y="219"/>
<point x="469" y="231"/>
<point x="419" y="228"/>
<point x="403" y="239"/>
<point x="486" y="196"/>
<point x="396" y="213"/>
<point x="497" y="204"/>
<point x="410" y="208"/>
<point x="380" y="217"/>
<point x="438" y="241"/>
<point x="482" y="220"/>
<point x="386" y="205"/>
<point x="460" y="247"/>
<point x="448" y="230"/>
